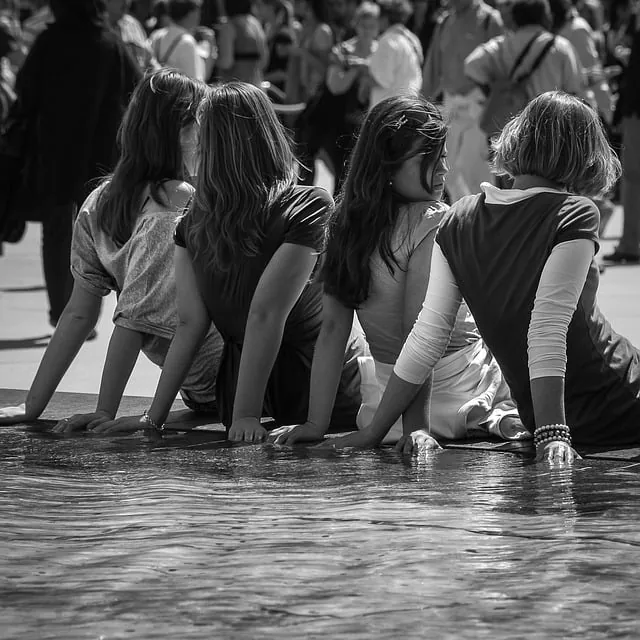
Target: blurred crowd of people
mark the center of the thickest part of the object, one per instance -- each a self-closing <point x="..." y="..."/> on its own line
<point x="71" y="65"/>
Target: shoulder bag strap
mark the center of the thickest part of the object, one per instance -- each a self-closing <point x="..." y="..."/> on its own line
<point x="170" y="50"/>
<point x="538" y="60"/>
<point x="522" y="56"/>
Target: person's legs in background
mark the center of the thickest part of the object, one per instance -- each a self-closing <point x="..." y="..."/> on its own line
<point x="57" y="231"/>
<point x="467" y="149"/>
<point x="628" y="249"/>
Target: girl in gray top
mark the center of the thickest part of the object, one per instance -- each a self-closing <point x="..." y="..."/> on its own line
<point x="123" y="242"/>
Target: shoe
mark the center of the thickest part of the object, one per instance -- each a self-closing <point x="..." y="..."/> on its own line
<point x="622" y="257"/>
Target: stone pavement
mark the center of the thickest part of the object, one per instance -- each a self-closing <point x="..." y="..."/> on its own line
<point x="24" y="329"/>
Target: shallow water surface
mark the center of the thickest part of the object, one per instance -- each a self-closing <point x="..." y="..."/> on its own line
<point x="122" y="538"/>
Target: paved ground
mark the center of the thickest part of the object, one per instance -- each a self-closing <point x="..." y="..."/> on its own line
<point x="24" y="330"/>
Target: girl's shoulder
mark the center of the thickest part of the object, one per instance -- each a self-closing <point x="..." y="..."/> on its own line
<point x="417" y="221"/>
<point x="176" y="194"/>
<point x="302" y="197"/>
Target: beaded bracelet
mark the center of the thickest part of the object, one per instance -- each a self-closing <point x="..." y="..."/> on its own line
<point x="543" y="441"/>
<point x="550" y="433"/>
<point x="147" y="420"/>
<point x="552" y="428"/>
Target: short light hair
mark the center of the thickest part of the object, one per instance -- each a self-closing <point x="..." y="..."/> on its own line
<point x="366" y="10"/>
<point x="559" y="138"/>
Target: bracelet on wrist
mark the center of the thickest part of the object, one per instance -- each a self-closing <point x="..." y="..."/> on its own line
<point x="550" y="433"/>
<point x="148" y="421"/>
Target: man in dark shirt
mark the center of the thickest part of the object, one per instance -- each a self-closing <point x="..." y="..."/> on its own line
<point x="628" y="249"/>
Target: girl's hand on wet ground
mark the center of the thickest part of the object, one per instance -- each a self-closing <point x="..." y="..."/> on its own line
<point x="356" y="439"/>
<point x="14" y="415"/>
<point x="247" y="430"/>
<point x="126" y="424"/>
<point x="307" y="432"/>
<point x="417" y="441"/>
<point x="556" y="452"/>
<point x="81" y="421"/>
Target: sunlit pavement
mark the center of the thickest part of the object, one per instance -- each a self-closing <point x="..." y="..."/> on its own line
<point x="24" y="328"/>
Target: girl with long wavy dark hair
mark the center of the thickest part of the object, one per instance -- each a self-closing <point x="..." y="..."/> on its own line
<point x="123" y="242"/>
<point x="377" y="264"/>
<point x="523" y="260"/>
<point x="246" y="253"/>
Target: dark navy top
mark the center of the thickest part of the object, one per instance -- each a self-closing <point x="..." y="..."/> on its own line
<point x="300" y="217"/>
<point x="497" y="253"/>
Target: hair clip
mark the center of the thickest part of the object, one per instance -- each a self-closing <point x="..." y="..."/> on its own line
<point x="400" y="122"/>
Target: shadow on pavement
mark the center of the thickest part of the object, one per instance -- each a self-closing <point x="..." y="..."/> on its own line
<point x="25" y="343"/>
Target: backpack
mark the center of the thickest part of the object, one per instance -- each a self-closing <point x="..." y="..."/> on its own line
<point x="508" y="96"/>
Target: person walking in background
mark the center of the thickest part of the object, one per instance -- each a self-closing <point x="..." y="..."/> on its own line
<point x="36" y="23"/>
<point x="311" y="56"/>
<point x="279" y="25"/>
<point x="244" y="53"/>
<point x="176" y="47"/>
<point x="72" y="92"/>
<point x="395" y="66"/>
<point x="246" y="252"/>
<point x="347" y="77"/>
<point x="547" y="62"/>
<point x="568" y="23"/>
<point x="123" y="242"/>
<point x="132" y="34"/>
<point x="306" y="84"/>
<point x="424" y="20"/>
<point x="9" y="51"/>
<point x="467" y="25"/>
<point x="628" y="249"/>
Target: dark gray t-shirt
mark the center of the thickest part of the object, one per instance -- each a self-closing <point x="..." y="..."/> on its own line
<point x="497" y="253"/>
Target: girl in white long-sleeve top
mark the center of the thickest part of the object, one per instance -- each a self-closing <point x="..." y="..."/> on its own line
<point x="523" y="259"/>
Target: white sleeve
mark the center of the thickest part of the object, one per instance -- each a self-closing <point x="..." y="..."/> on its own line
<point x="559" y="290"/>
<point x="431" y="332"/>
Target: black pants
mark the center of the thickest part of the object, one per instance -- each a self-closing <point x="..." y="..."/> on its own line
<point x="57" y="230"/>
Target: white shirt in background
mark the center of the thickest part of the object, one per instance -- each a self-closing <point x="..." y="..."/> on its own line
<point x="396" y="65"/>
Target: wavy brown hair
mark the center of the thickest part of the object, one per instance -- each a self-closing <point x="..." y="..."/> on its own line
<point x="560" y="138"/>
<point x="246" y="163"/>
<point x="162" y="106"/>
<point x="368" y="208"/>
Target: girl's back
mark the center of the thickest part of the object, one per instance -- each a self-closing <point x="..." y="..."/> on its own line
<point x="142" y="276"/>
<point x="382" y="315"/>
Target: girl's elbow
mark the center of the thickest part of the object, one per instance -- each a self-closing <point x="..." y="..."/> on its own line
<point x="193" y="325"/>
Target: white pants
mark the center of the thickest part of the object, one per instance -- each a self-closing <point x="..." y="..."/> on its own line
<point x="467" y="147"/>
<point x="469" y="396"/>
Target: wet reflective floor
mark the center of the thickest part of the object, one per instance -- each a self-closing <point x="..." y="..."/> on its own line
<point x="121" y="538"/>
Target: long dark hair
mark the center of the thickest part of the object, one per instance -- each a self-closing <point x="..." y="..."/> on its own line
<point x="367" y="209"/>
<point x="246" y="164"/>
<point x="162" y="106"/>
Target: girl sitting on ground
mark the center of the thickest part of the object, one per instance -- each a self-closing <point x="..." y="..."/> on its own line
<point x="123" y="242"/>
<point x="523" y="260"/>
<point x="246" y="253"/>
<point x="377" y="264"/>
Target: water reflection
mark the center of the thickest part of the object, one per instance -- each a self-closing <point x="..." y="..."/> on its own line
<point x="118" y="538"/>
